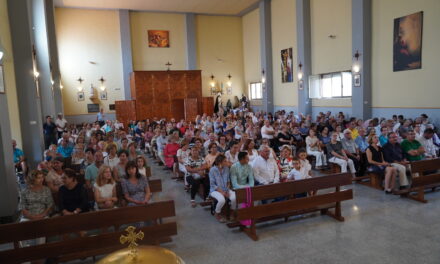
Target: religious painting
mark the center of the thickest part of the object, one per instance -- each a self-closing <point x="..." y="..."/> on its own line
<point x="407" y="46"/>
<point x="2" y="80"/>
<point x="158" y="39"/>
<point x="286" y="65"/>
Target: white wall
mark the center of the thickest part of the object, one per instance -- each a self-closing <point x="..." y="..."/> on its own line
<point x="283" y="37"/>
<point x="146" y="58"/>
<point x="86" y="36"/>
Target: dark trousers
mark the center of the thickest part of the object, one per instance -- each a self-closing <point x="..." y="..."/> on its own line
<point x="49" y="140"/>
<point x="357" y="166"/>
<point x="195" y="185"/>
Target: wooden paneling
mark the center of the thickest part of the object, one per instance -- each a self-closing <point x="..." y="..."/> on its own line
<point x="191" y="109"/>
<point x="208" y="105"/>
<point x="156" y="92"/>
<point x="178" y="109"/>
<point x="125" y="111"/>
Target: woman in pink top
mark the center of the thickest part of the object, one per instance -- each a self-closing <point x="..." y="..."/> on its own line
<point x="170" y="151"/>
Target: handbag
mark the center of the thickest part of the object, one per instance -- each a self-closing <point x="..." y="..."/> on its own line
<point x="248" y="203"/>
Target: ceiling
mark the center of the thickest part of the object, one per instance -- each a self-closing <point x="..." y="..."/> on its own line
<point x="215" y="7"/>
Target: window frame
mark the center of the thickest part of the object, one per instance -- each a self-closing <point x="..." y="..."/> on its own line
<point x="256" y="86"/>
<point x="320" y="78"/>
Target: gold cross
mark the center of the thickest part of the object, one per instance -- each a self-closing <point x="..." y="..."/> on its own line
<point x="131" y="238"/>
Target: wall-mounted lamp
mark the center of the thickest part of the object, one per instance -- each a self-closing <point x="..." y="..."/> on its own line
<point x="229" y="82"/>
<point x="102" y="87"/>
<point x="356" y="66"/>
<point x="36" y="74"/>
<point x="212" y="83"/>
<point x="80" y="80"/>
<point x="263" y="76"/>
<point x="300" y="73"/>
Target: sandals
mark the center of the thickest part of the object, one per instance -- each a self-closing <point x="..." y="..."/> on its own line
<point x="220" y="218"/>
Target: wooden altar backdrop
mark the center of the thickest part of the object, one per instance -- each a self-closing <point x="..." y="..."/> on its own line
<point x="165" y="94"/>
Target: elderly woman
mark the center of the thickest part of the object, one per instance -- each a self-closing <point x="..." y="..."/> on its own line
<point x="195" y="174"/>
<point x="36" y="200"/>
<point x="220" y="186"/>
<point x="314" y="149"/>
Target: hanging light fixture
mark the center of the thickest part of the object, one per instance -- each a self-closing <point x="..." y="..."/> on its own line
<point x="229" y="82"/>
<point x="80" y="80"/>
<point x="300" y="73"/>
<point x="356" y="66"/>
<point x="212" y="83"/>
<point x="263" y="76"/>
<point x="102" y="87"/>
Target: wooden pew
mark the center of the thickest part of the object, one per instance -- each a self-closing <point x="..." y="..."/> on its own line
<point x="69" y="248"/>
<point x="284" y="209"/>
<point x="155" y="185"/>
<point x="429" y="178"/>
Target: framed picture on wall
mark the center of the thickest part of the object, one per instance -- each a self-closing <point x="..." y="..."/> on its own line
<point x="357" y="80"/>
<point x="158" y="38"/>
<point x="301" y="84"/>
<point x="81" y="96"/>
<point x="2" y="80"/>
<point x="103" y="95"/>
<point x="229" y="90"/>
<point x="407" y="42"/>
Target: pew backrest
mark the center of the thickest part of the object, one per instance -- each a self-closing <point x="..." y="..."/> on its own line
<point x="106" y="241"/>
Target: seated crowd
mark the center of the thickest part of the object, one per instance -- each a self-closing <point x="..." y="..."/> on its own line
<point x="90" y="167"/>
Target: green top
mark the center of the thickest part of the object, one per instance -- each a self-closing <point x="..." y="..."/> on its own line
<point x="241" y="176"/>
<point x="407" y="146"/>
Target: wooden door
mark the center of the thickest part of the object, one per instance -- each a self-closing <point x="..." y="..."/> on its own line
<point x="208" y="105"/>
<point x="125" y="111"/>
<point x="191" y="109"/>
<point x="144" y="99"/>
<point x="178" y="109"/>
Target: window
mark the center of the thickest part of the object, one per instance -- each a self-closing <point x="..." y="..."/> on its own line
<point x="330" y="85"/>
<point x="256" y="91"/>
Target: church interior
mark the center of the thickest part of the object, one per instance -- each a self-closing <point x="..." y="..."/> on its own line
<point x="219" y="131"/>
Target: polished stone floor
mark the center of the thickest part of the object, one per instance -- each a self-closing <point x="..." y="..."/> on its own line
<point x="378" y="228"/>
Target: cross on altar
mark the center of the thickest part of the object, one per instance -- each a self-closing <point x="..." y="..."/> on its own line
<point x="131" y="239"/>
<point x="168" y="65"/>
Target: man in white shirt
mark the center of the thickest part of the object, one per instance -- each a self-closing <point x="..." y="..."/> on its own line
<point x="265" y="170"/>
<point x="427" y="143"/>
<point x="267" y="130"/>
<point x="61" y="124"/>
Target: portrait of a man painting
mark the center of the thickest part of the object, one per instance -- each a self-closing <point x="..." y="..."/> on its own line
<point x="407" y="49"/>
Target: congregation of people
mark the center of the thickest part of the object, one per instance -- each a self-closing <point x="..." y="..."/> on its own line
<point x="96" y="166"/>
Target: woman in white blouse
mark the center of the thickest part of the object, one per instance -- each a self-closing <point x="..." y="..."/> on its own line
<point x="105" y="189"/>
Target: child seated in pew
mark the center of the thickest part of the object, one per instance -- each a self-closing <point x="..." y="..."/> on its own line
<point x="298" y="174"/>
<point x="105" y="189"/>
<point x="306" y="167"/>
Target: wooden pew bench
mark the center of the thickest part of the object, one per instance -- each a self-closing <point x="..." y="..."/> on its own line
<point x="106" y="225"/>
<point x="283" y="209"/>
<point x="429" y="178"/>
